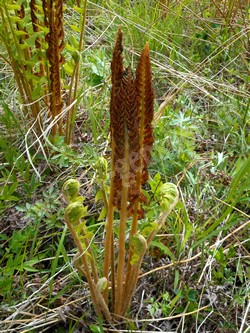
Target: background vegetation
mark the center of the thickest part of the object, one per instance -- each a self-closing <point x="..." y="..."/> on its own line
<point x="196" y="276"/>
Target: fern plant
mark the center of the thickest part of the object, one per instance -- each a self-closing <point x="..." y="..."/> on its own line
<point x="33" y="45"/>
<point x="131" y="115"/>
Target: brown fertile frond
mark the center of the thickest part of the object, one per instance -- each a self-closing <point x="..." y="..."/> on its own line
<point x="131" y="107"/>
<point x="117" y="115"/>
<point x="145" y="98"/>
<point x="53" y="14"/>
<point x="124" y="104"/>
<point x="127" y="117"/>
<point x="133" y="124"/>
<point x="117" y="67"/>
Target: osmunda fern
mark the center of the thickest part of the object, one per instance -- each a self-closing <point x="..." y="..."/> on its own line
<point x="53" y="13"/>
<point x="33" y="37"/>
<point x="131" y="115"/>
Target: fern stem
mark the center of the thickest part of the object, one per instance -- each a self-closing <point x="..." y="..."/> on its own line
<point x="109" y="238"/>
<point x="101" y="311"/>
<point x="122" y="229"/>
<point x="134" y="273"/>
<point x="92" y="261"/>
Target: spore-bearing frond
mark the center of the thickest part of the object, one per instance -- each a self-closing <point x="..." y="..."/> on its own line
<point x="53" y="15"/>
<point x="145" y="96"/>
<point x="131" y="112"/>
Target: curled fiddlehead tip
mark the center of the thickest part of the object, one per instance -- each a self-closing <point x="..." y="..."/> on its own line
<point x="70" y="190"/>
<point x="77" y="260"/>
<point x="101" y="168"/>
<point x="168" y="193"/>
<point x="138" y="246"/>
<point x="74" y="212"/>
<point x="102" y="284"/>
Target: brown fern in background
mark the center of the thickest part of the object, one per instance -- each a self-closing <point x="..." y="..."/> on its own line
<point x="36" y="59"/>
<point x="53" y="14"/>
<point x="35" y="56"/>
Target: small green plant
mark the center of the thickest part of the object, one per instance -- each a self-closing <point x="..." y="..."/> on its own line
<point x="131" y="115"/>
<point x="16" y="176"/>
<point x="16" y="258"/>
<point x="222" y="273"/>
<point x="161" y="306"/>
